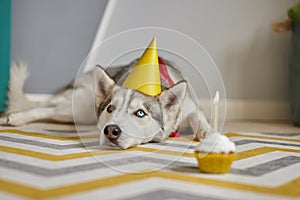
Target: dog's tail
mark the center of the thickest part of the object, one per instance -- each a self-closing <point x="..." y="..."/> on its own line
<point x="17" y="100"/>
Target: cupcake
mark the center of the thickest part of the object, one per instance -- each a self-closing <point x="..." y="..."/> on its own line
<point x="215" y="154"/>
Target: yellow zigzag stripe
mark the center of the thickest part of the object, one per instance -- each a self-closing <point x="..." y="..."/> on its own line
<point x="261" y="137"/>
<point x="182" y="139"/>
<point x="290" y="189"/>
<point x="44" y="135"/>
<point x="51" y="157"/>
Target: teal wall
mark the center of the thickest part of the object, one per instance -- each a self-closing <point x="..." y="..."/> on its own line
<point x="5" y="10"/>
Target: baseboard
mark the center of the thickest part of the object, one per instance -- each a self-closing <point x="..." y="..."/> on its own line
<point x="252" y="109"/>
<point x="236" y="109"/>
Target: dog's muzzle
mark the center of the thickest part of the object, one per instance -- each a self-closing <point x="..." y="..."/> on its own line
<point x="112" y="132"/>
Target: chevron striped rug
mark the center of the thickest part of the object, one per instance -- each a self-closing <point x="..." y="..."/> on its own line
<point x="54" y="164"/>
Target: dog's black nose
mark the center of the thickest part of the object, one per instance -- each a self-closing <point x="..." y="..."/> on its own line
<point x="112" y="132"/>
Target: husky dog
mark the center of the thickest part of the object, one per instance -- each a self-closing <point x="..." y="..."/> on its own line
<point x="124" y="117"/>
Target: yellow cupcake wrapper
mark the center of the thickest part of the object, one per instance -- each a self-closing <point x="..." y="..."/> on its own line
<point x="214" y="163"/>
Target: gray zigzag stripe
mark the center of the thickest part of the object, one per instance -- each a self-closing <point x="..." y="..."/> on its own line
<point x="166" y="144"/>
<point x="169" y="194"/>
<point x="85" y="167"/>
<point x="237" y="143"/>
<point x="281" y="134"/>
<point x="67" y="131"/>
<point x="48" y="145"/>
<point x="271" y="166"/>
<point x="178" y="166"/>
<point x="89" y="144"/>
<point x="242" y="142"/>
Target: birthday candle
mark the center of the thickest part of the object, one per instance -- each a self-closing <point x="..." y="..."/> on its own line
<point x="215" y="111"/>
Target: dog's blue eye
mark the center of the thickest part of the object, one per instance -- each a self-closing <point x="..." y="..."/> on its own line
<point x="140" y="113"/>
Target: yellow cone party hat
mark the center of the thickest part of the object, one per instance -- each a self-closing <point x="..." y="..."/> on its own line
<point x="145" y="76"/>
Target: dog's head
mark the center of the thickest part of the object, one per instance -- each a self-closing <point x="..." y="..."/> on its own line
<point x="127" y="117"/>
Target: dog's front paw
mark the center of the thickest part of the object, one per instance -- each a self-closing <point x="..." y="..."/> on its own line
<point x="160" y="137"/>
<point x="203" y="132"/>
<point x="12" y="120"/>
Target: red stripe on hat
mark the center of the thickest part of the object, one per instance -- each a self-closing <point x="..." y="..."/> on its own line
<point x="164" y="74"/>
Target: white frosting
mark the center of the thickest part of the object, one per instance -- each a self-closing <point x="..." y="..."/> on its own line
<point x="216" y="143"/>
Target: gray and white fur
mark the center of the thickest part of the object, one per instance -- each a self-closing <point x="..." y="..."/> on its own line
<point x="124" y="117"/>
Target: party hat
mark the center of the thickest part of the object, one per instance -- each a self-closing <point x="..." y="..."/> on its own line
<point x="145" y="76"/>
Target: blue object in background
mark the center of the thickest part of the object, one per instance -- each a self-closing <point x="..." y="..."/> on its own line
<point x="5" y="11"/>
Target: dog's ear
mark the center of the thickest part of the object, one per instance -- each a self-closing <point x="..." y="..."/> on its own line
<point x="173" y="97"/>
<point x="103" y="84"/>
